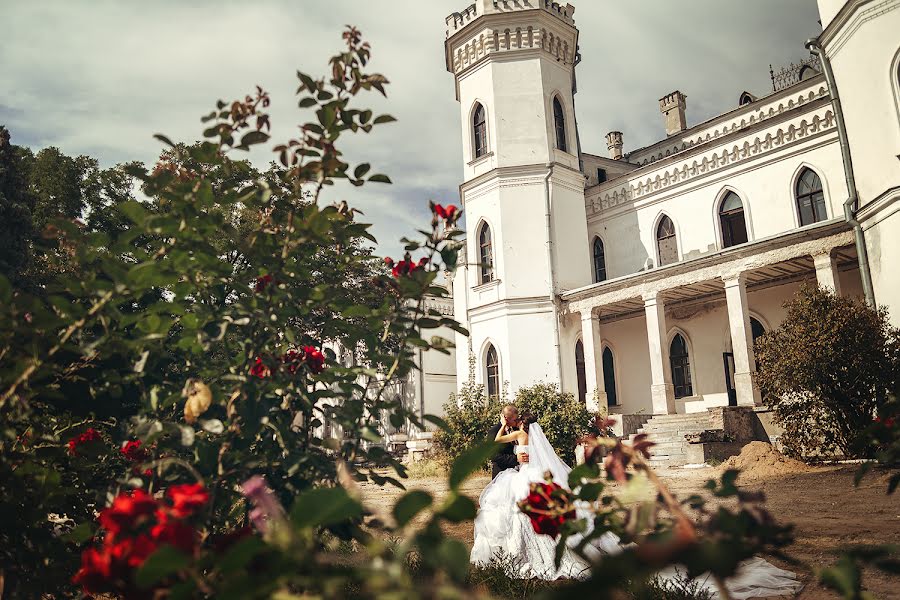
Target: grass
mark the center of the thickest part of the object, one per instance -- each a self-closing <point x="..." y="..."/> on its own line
<point x="428" y="468"/>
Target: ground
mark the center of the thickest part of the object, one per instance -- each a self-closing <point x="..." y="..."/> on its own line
<point x="823" y="504"/>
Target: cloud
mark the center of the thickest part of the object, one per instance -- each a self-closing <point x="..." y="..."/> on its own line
<point x="100" y="77"/>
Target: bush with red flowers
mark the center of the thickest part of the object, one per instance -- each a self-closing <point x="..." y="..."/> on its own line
<point x="88" y="438"/>
<point x="405" y="267"/>
<point x="135" y="526"/>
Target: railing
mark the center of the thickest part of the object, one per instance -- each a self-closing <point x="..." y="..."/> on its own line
<point x="794" y="73"/>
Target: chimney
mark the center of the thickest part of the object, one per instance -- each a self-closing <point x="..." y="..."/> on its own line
<point x="672" y="106"/>
<point x="614" y="143"/>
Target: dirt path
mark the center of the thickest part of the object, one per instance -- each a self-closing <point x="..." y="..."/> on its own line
<point x="825" y="507"/>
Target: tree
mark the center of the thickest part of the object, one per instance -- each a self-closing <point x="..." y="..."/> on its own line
<point x="16" y="207"/>
<point x="826" y="371"/>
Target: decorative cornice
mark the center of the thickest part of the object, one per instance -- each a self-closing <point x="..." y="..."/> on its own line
<point x="519" y="176"/>
<point x="849" y="19"/>
<point x="640" y="185"/>
<point x="765" y="109"/>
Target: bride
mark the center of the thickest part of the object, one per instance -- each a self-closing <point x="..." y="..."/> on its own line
<point x="502" y="529"/>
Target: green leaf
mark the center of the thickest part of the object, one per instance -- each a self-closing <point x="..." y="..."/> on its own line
<point x="253" y="137"/>
<point x="240" y="554"/>
<point x="165" y="561"/>
<point x="361" y="170"/>
<point x="454" y="556"/>
<point x="164" y="139"/>
<point x="80" y="533"/>
<point x="585" y="471"/>
<point x="411" y="504"/>
<point x="134" y="210"/>
<point x="459" y="508"/>
<point x="324" y="506"/>
<point x="470" y="461"/>
<point x="383" y="119"/>
<point x="380" y="178"/>
<point x="307" y="102"/>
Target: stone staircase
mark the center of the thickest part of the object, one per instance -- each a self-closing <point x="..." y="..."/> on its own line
<point x="667" y="432"/>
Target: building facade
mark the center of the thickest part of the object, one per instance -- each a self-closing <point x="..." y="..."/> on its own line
<point x="638" y="280"/>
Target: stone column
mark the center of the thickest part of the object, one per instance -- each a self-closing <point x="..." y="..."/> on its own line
<point x="593" y="374"/>
<point x="826" y="272"/>
<point x="741" y="341"/>
<point x="662" y="392"/>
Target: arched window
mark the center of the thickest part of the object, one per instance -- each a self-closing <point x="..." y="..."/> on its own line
<point x="756" y="328"/>
<point x="731" y="220"/>
<point x="599" y="261"/>
<point x="492" y="372"/>
<point x="681" y="367"/>
<point x="609" y="377"/>
<point x="479" y="125"/>
<point x="810" y="198"/>
<point x="559" y="124"/>
<point x="580" y="372"/>
<point x="485" y="254"/>
<point x="666" y="242"/>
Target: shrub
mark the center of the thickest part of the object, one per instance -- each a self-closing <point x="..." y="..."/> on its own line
<point x="827" y="370"/>
<point x="470" y="414"/>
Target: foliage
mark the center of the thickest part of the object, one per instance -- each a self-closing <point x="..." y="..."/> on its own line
<point x="827" y="371"/>
<point x="16" y="207"/>
<point x="198" y="326"/>
<point x="561" y="416"/>
<point x="469" y="414"/>
<point x="428" y="468"/>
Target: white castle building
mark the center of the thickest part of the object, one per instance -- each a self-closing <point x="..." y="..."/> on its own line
<point x="638" y="279"/>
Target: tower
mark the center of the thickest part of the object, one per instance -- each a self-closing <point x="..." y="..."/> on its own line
<point x="514" y="67"/>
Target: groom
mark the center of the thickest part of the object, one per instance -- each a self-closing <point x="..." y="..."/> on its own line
<point x="506" y="458"/>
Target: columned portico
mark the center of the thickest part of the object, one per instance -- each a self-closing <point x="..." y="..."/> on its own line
<point x="741" y="341"/>
<point x="827" y="272"/>
<point x="662" y="392"/>
<point x="593" y="373"/>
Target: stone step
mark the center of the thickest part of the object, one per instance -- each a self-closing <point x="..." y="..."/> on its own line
<point x="662" y="428"/>
<point x="668" y="447"/>
<point x="684" y="417"/>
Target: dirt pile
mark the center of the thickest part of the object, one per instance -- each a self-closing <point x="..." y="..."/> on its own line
<point x="759" y="460"/>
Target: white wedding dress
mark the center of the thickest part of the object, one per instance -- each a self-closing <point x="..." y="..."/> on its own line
<point x="502" y="530"/>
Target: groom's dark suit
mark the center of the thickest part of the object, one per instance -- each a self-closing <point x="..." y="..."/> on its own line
<point x="505" y="458"/>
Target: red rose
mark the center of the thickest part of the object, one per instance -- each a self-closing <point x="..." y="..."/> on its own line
<point x="262" y="282"/>
<point x="88" y="436"/>
<point x="315" y="360"/>
<point x="445" y="213"/>
<point x="128" y="511"/>
<point x="259" y="369"/>
<point x="131" y="552"/>
<point x="175" y="533"/>
<point x="187" y="498"/>
<point x="95" y="571"/>
<point x="133" y="451"/>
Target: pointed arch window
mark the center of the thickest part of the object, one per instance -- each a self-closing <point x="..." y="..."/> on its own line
<point x="479" y="127"/>
<point x="559" y="124"/>
<point x="492" y="372"/>
<point x="681" y="367"/>
<point x="609" y="377"/>
<point x="666" y="242"/>
<point x="485" y="254"/>
<point x="731" y="220"/>
<point x="810" y="198"/>
<point x="599" y="261"/>
<point x="580" y="371"/>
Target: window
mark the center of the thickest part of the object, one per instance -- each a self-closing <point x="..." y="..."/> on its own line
<point x="681" y="367"/>
<point x="579" y="370"/>
<point x="810" y="199"/>
<point x="479" y="124"/>
<point x="756" y="329"/>
<point x="609" y="377"/>
<point x="601" y="176"/>
<point x="486" y="254"/>
<point x="559" y="123"/>
<point x="492" y="372"/>
<point x="599" y="261"/>
<point x="731" y="219"/>
<point x="666" y="242"/>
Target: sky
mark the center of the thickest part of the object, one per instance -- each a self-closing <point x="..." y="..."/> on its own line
<point x="100" y="77"/>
